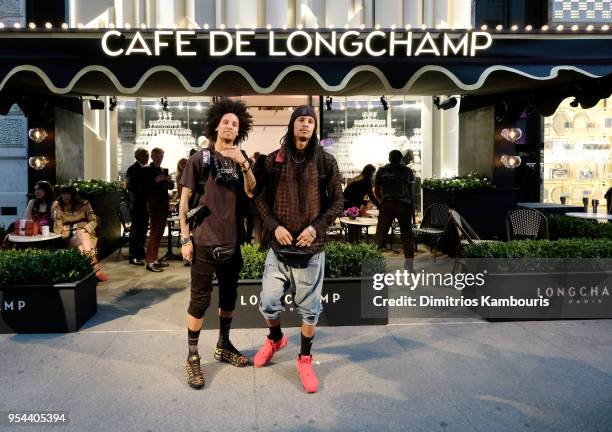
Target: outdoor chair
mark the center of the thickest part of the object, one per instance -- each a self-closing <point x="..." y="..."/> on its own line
<point x="126" y="223"/>
<point x="523" y="224"/>
<point x="465" y="235"/>
<point x="433" y="225"/>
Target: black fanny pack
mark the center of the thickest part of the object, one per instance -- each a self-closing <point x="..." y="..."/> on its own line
<point x="293" y="257"/>
<point x="222" y="254"/>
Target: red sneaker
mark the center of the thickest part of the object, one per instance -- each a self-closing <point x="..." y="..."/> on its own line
<point x="307" y="374"/>
<point x="265" y="353"/>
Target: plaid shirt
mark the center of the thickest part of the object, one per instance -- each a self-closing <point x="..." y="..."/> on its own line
<point x="322" y="222"/>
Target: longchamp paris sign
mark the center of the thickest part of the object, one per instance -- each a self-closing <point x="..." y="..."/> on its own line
<point x="298" y="43"/>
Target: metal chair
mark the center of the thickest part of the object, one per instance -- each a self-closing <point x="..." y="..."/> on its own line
<point x="433" y="225"/>
<point x="465" y="234"/>
<point x="126" y="223"/>
<point x="522" y="224"/>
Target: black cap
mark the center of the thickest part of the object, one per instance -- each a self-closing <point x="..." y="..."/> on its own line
<point x="303" y="110"/>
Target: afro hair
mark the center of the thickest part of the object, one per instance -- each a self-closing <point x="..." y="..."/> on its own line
<point x="224" y="106"/>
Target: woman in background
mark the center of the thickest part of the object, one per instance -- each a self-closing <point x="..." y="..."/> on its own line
<point x="39" y="207"/>
<point x="75" y="220"/>
<point x="359" y="187"/>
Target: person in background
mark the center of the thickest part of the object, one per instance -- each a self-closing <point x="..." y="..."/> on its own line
<point x="158" y="185"/>
<point x="136" y="186"/>
<point x="359" y="187"/>
<point x="38" y="209"/>
<point x="75" y="220"/>
<point x="393" y="187"/>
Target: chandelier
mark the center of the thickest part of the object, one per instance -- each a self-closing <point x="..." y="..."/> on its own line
<point x="165" y="125"/>
<point x="369" y="141"/>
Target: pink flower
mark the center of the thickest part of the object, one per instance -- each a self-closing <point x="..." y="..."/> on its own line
<point x="351" y="212"/>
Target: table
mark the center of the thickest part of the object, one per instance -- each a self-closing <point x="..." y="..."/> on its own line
<point x="593" y="216"/>
<point x="22" y="241"/>
<point x="355" y="226"/>
<point x="170" y="255"/>
<point x="550" y="208"/>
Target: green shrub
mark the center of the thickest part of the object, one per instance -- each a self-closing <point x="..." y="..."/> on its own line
<point x="565" y="248"/>
<point x="346" y="259"/>
<point x="561" y="227"/>
<point x="254" y="259"/>
<point x="97" y="187"/>
<point x="43" y="267"/>
<point x="469" y="182"/>
<point x="341" y="260"/>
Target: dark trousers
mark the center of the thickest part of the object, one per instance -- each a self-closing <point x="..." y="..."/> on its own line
<point x="202" y="270"/>
<point x="158" y="211"/>
<point x="395" y="209"/>
<point x="138" y="231"/>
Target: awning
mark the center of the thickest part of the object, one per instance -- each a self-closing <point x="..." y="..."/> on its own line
<point x="73" y="62"/>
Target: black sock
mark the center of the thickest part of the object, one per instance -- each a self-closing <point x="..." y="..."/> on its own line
<point x="275" y="333"/>
<point x="192" y="341"/>
<point x="224" y="328"/>
<point x="306" y="345"/>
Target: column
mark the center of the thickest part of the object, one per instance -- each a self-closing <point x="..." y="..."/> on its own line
<point x="337" y="12"/>
<point x="413" y="12"/>
<point x="278" y="13"/>
<point x="242" y="12"/>
<point x="462" y="13"/>
<point x="388" y="13"/>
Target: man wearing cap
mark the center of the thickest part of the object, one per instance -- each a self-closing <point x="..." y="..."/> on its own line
<point x="300" y="195"/>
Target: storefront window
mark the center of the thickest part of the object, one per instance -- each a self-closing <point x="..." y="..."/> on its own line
<point x="142" y="122"/>
<point x="359" y="131"/>
<point x="578" y="154"/>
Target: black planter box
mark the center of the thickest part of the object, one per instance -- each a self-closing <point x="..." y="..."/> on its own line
<point x="56" y="308"/>
<point x="485" y="210"/>
<point x="342" y="306"/>
<point x="105" y="207"/>
<point x="573" y="295"/>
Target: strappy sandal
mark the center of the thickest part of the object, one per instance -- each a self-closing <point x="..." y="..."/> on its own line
<point x="227" y="353"/>
<point x="195" y="377"/>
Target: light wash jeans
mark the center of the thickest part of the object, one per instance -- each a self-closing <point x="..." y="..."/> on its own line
<point x="304" y="283"/>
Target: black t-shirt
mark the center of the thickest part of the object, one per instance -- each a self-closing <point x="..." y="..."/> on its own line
<point x="221" y="226"/>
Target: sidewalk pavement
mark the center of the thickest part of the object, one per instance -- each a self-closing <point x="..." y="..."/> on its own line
<point x="124" y="371"/>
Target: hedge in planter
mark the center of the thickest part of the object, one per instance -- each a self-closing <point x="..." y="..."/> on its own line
<point x="561" y="227"/>
<point x="44" y="291"/>
<point x="43" y="267"/>
<point x="573" y="275"/>
<point x="342" y="289"/>
<point x="566" y="248"/>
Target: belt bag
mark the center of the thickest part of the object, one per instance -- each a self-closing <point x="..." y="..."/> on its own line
<point x="293" y="257"/>
<point x="222" y="254"/>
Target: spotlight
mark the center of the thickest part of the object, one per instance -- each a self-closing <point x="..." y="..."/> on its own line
<point x="328" y="103"/>
<point x="384" y="103"/>
<point x="96" y="104"/>
<point x="112" y="103"/>
<point x="445" y="105"/>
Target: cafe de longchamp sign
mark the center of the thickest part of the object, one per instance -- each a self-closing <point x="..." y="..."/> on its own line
<point x="299" y="43"/>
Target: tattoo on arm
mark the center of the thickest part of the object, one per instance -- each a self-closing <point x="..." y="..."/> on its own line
<point x="249" y="183"/>
<point x="183" y="210"/>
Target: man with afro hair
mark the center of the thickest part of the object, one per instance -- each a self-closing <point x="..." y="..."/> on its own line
<point x="217" y="182"/>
